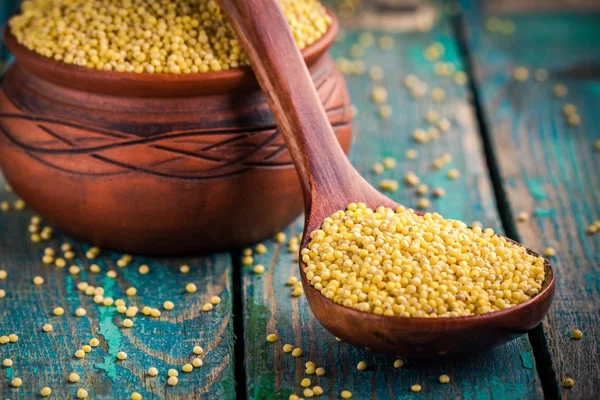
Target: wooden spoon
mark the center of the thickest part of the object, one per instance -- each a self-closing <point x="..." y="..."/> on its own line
<point x="330" y="182"/>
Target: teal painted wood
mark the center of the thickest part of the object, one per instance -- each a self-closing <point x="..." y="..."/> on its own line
<point x="46" y="359"/>
<point x="6" y="9"/>
<point x="549" y="168"/>
<point x="506" y="372"/>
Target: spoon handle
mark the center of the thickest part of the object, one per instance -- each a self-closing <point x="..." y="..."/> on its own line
<point x="284" y="78"/>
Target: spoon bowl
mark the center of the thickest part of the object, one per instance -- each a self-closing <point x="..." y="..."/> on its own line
<point x="330" y="183"/>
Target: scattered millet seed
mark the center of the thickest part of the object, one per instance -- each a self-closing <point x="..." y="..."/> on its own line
<point x="293" y="397"/>
<point x="280" y="237"/>
<point x="576" y="334"/>
<point x="38" y="280"/>
<point x="7" y="363"/>
<point x="476" y="224"/>
<point x="310" y="364"/>
<point x="287" y="348"/>
<point x="398" y="363"/>
<point x="297" y="352"/>
<point x="191" y="288"/>
<point x="16" y="382"/>
<point x="143" y="269"/>
<point x="127" y="323"/>
<point x="74" y="377"/>
<point x="444" y="125"/>
<point x="47" y="259"/>
<point x="415" y="388"/>
<point x="13" y="338"/>
<point x="172" y="381"/>
<point x="523" y="216"/>
<point x="261" y="248"/>
<point x="198" y="350"/>
<point x="292" y="280"/>
<point x="271" y="337"/>
<point x="94" y="268"/>
<point x="549" y="252"/>
<point x="317" y="390"/>
<point x="541" y="74"/>
<point x="386" y="42"/>
<point x="444" y="379"/>
<point x="460" y="78"/>
<point x="98" y="299"/>
<point x="136" y="396"/>
<point x="47" y="328"/>
<point x="79" y="354"/>
<point x="346" y="394"/>
<point x="155" y="312"/>
<point x="411" y="154"/>
<point x="521" y="74"/>
<point x="248" y="260"/>
<point x="377" y="168"/>
<point x="86" y="348"/>
<point x="420" y="136"/>
<point x="131" y="291"/>
<point x="197" y="362"/>
<point x="119" y="302"/>
<point x="411" y="179"/>
<point x="379" y="94"/>
<point x="74" y="270"/>
<point x="146" y="310"/>
<point x="4" y="339"/>
<point x="19" y="205"/>
<point x="121" y="309"/>
<point x="305" y="382"/>
<point x="187" y="368"/>
<point x="258" y="269"/>
<point x="423" y="203"/>
<point x="385" y="111"/>
<point x="434" y="51"/>
<point x="69" y="255"/>
<point x="122" y="355"/>
<point x="2" y="293"/>
<point x="247" y="252"/>
<point x="389" y="163"/>
<point x="131" y="312"/>
<point x="573" y="120"/>
<point x="45" y="392"/>
<point x="82" y="393"/>
<point x="297" y="291"/>
<point x="308" y="392"/>
<point x="438" y="94"/>
<point x="108" y="301"/>
<point x="58" y="311"/>
<point x="60" y="262"/>
<point x="453" y="174"/>
<point x="432" y="116"/>
<point x="310" y="370"/>
<point x="337" y="339"/>
<point x="82" y="286"/>
<point x="152" y="371"/>
<point x="168" y="305"/>
<point x="401" y="283"/>
<point x="597" y="145"/>
<point x="94" y="342"/>
<point x="80" y="312"/>
<point x="388" y="185"/>
<point x="422" y="189"/>
<point x="568" y="383"/>
<point x="559" y="90"/>
<point x="215" y="300"/>
<point x="376" y="73"/>
<point x="111" y="274"/>
<point x="444" y="68"/>
<point x="361" y="366"/>
<point x="207" y="307"/>
<point x="433" y="133"/>
<point x="3" y="274"/>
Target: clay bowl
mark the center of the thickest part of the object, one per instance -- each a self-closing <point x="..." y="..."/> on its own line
<point x="430" y="337"/>
<point x="155" y="164"/>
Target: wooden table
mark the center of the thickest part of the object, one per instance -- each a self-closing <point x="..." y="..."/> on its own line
<point x="515" y="152"/>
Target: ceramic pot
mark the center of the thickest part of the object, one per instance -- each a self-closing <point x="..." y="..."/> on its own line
<point x="155" y="164"/>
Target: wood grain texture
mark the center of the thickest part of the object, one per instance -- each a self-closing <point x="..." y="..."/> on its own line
<point x="46" y="359"/>
<point x="548" y="168"/>
<point x="504" y="372"/>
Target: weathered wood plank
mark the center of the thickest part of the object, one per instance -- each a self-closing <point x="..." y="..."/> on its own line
<point x="46" y="359"/>
<point x="504" y="372"/>
<point x="547" y="167"/>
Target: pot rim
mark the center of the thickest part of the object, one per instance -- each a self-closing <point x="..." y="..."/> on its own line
<point x="129" y="84"/>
